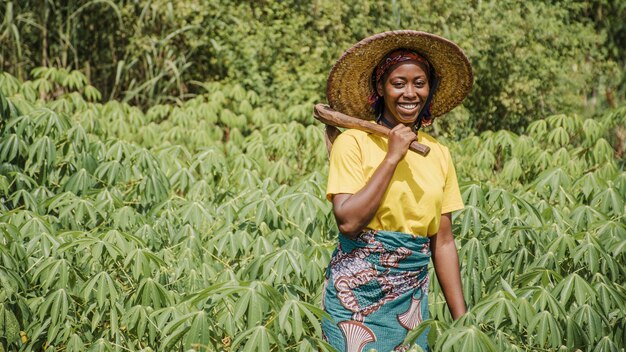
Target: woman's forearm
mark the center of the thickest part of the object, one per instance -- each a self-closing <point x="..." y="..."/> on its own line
<point x="446" y="262"/>
<point x="354" y="211"/>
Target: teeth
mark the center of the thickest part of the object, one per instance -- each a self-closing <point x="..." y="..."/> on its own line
<point x="408" y="106"/>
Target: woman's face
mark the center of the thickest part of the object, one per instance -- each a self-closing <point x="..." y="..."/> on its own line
<point x="404" y="90"/>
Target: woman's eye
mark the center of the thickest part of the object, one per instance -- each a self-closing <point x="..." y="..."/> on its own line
<point x="398" y="85"/>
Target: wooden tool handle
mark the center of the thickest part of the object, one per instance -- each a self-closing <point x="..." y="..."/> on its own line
<point x="334" y="118"/>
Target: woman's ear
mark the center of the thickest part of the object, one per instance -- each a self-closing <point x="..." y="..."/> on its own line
<point x="379" y="88"/>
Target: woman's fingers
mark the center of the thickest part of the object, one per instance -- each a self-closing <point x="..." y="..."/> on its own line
<point x="400" y="138"/>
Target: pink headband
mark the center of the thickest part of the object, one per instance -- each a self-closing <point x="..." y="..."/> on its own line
<point x="396" y="57"/>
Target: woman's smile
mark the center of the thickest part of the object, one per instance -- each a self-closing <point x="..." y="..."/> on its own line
<point x="409" y="108"/>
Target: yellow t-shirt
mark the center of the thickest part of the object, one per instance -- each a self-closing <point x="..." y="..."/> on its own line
<point x="421" y="189"/>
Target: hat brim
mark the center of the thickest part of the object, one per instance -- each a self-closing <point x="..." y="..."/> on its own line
<point x="349" y="83"/>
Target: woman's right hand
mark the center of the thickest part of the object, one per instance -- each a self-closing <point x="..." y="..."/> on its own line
<point x="400" y="139"/>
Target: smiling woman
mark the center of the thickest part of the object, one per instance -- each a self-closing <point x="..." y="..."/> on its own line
<point x="392" y="207"/>
<point x="404" y="91"/>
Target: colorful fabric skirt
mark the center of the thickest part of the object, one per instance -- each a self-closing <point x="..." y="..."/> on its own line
<point x="376" y="290"/>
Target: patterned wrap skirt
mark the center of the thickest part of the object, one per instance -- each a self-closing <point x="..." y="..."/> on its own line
<point x="376" y="290"/>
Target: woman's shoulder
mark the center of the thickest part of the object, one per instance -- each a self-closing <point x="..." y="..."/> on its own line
<point x="355" y="135"/>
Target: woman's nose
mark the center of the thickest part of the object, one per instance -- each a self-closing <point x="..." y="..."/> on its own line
<point x="410" y="92"/>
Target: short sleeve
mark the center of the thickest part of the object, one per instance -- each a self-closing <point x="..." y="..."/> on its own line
<point x="345" y="173"/>
<point x="451" y="194"/>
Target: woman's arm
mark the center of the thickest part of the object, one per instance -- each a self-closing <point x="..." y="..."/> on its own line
<point x="446" y="263"/>
<point x="354" y="211"/>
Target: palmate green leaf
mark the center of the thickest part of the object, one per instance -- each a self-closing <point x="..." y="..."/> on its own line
<point x="538" y="128"/>
<point x="435" y="329"/>
<point x="302" y="207"/>
<point x="136" y="319"/>
<point x="474" y="254"/>
<point x="11" y="147"/>
<point x="209" y="162"/>
<point x="610" y="296"/>
<point x="182" y="180"/>
<point x="126" y="241"/>
<point x="49" y="123"/>
<point x="587" y="316"/>
<point x="543" y="301"/>
<point x="574" y="286"/>
<point x="79" y="182"/>
<point x="558" y="137"/>
<point x="309" y="344"/>
<point x="101" y="345"/>
<point x="282" y="266"/>
<point x="291" y="317"/>
<point x="471" y="219"/>
<point x="55" y="273"/>
<point x="257" y="338"/>
<point x="252" y="303"/>
<point x="153" y="188"/>
<point x="563" y="245"/>
<point x="547" y="261"/>
<point x="160" y="319"/>
<point x="112" y="172"/>
<point x="23" y="126"/>
<point x="202" y="333"/>
<point x="152" y="293"/>
<point x="233" y="244"/>
<point x="516" y="262"/>
<point x="505" y="342"/>
<point x="591" y="255"/>
<point x="261" y="246"/>
<point x="93" y="248"/>
<point x="280" y="170"/>
<point x="575" y="336"/>
<point x="609" y="201"/>
<point x="484" y="161"/>
<point x="142" y="263"/>
<point x="23" y="198"/>
<point x="126" y="218"/>
<point x="496" y="308"/>
<point x="119" y="150"/>
<point x="602" y="151"/>
<point x="550" y="182"/>
<point x="41" y="155"/>
<point x="103" y="288"/>
<point x="194" y="213"/>
<point x="43" y="243"/>
<point x="472" y="285"/>
<point x="606" y="345"/>
<point x="584" y="215"/>
<point x="465" y="339"/>
<point x="75" y="344"/>
<point x="590" y="184"/>
<point x="56" y="306"/>
<point x="74" y="210"/>
<point x="512" y="170"/>
<point x="546" y="330"/>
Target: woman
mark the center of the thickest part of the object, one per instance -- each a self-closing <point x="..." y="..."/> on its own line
<point x="392" y="205"/>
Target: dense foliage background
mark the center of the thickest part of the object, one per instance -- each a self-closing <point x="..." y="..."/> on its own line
<point x="162" y="178"/>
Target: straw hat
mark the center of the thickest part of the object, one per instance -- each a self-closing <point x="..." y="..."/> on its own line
<point x="349" y="83"/>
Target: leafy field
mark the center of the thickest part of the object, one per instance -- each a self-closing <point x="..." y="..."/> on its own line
<point x="162" y="179"/>
<point x="203" y="225"/>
